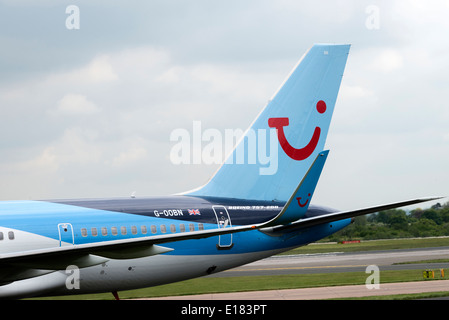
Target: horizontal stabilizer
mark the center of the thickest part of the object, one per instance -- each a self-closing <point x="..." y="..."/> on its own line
<point x="331" y="217"/>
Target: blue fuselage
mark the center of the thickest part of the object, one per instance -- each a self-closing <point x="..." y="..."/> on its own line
<point x="31" y="225"/>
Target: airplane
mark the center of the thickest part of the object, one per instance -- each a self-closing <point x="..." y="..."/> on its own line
<point x="242" y="214"/>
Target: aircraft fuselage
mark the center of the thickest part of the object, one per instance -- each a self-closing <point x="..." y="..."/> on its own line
<point x="34" y="225"/>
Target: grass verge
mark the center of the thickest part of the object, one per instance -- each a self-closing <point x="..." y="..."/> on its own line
<point x="372" y="245"/>
<point x="254" y="283"/>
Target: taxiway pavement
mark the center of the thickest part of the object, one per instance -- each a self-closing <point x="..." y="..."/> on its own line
<point x="335" y="262"/>
<point x="341" y="262"/>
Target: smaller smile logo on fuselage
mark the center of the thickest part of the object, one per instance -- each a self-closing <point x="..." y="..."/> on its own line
<point x="305" y="203"/>
<point x="302" y="153"/>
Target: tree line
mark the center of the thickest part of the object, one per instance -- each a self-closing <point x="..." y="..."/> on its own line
<point x="395" y="223"/>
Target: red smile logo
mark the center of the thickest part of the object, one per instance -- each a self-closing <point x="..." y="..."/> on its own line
<point x="305" y="203"/>
<point x="297" y="154"/>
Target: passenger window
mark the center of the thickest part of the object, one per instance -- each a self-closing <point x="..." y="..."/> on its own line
<point x="1" y="236"/>
<point x="163" y="228"/>
<point x="182" y="227"/>
<point x="104" y="231"/>
<point x="143" y="229"/>
<point x="94" y="232"/>
<point x="123" y="230"/>
<point x="84" y="232"/>
<point x="153" y="229"/>
<point x="11" y="235"/>
<point x="191" y="227"/>
<point x="200" y="226"/>
<point x="172" y="228"/>
<point x="114" y="231"/>
<point x="134" y="230"/>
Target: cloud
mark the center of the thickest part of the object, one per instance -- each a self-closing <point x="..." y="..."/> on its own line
<point x="90" y="111"/>
<point x="387" y="60"/>
<point x="130" y="156"/>
<point x="76" y="104"/>
<point x="97" y="71"/>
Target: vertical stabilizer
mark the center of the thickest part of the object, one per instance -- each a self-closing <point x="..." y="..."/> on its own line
<point x="289" y="133"/>
<point x="296" y="207"/>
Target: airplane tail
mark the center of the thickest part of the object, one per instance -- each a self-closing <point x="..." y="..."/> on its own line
<point x="282" y="143"/>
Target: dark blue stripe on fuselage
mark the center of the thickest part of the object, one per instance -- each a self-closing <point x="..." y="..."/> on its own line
<point x="242" y="212"/>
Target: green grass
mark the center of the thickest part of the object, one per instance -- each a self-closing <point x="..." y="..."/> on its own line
<point x="413" y="296"/>
<point x="256" y="283"/>
<point x="423" y="261"/>
<point x="391" y="244"/>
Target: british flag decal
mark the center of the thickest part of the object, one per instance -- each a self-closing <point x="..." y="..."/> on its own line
<point x="194" y="212"/>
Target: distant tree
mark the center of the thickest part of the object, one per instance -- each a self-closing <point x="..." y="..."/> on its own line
<point x="381" y="217"/>
<point x="424" y="228"/>
<point x="360" y="221"/>
<point x="433" y="215"/>
<point x="417" y="213"/>
<point x="397" y="219"/>
<point x="397" y="224"/>
<point x="444" y="213"/>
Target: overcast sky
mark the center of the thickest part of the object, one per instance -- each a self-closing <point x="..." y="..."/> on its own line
<point x="88" y="111"/>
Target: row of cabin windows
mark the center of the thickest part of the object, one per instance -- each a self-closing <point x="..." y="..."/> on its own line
<point x="143" y="229"/>
<point x="10" y="235"/>
<point x="123" y="230"/>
